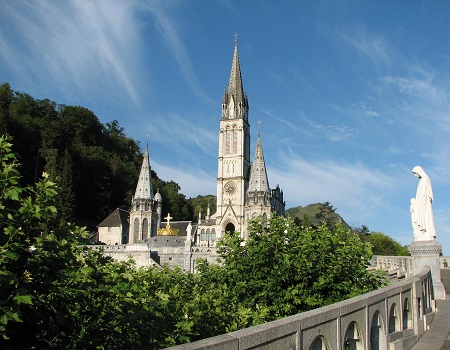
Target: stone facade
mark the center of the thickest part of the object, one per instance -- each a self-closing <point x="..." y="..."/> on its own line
<point x="114" y="229"/>
<point x="243" y="193"/>
<point x="146" y="208"/>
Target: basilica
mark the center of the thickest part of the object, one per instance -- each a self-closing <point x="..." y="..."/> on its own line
<point x="243" y="193"/>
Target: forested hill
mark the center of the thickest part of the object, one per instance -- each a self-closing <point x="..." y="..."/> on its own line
<point x="315" y="214"/>
<point x="96" y="166"/>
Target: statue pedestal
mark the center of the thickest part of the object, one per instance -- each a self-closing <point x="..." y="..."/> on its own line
<point x="426" y="253"/>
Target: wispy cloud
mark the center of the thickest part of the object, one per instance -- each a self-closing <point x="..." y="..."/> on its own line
<point x="356" y="190"/>
<point x="75" y="42"/>
<point x="171" y="34"/>
<point x="370" y="45"/>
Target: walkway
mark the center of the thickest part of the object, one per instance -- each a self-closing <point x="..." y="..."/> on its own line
<point x="438" y="336"/>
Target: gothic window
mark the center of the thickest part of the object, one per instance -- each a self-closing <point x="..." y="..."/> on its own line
<point x="208" y="235"/>
<point x="227" y="142"/>
<point x="203" y="235"/>
<point x="144" y="229"/>
<point x="213" y="234"/>
<point x="235" y="137"/>
<point x="136" y="230"/>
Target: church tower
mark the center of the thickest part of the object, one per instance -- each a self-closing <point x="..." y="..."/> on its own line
<point x="145" y="215"/>
<point x="234" y="153"/>
<point x="258" y="201"/>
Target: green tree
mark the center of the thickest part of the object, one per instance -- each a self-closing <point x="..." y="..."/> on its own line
<point x="6" y="97"/>
<point x="174" y="202"/>
<point x="283" y="269"/>
<point x="381" y="243"/>
<point x="55" y="293"/>
<point x="201" y="203"/>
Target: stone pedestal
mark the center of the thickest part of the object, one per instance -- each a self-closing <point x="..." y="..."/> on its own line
<point x="426" y="253"/>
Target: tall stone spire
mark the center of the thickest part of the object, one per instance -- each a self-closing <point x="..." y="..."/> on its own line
<point x="258" y="175"/>
<point x="234" y="101"/>
<point x="235" y="87"/>
<point x="144" y="189"/>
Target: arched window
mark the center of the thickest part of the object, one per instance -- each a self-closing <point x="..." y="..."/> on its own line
<point x="213" y="234"/>
<point x="406" y="314"/>
<point x="393" y="319"/>
<point x="230" y="228"/>
<point x="208" y="235"/>
<point x="320" y="343"/>
<point x="352" y="339"/>
<point x="135" y="230"/>
<point x="144" y="229"/>
<point x="203" y="235"/>
<point x="377" y="336"/>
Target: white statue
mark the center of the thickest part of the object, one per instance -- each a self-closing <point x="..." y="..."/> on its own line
<point x="189" y="232"/>
<point x="421" y="208"/>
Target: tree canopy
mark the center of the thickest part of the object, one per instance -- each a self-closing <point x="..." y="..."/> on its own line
<point x="381" y="244"/>
<point x="56" y="293"/>
<point x="283" y="269"/>
<point x="96" y="166"/>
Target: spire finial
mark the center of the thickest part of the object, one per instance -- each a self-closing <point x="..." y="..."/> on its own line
<point x="236" y="39"/>
<point x="259" y="126"/>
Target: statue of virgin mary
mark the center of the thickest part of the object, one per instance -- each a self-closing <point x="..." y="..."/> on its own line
<point x="421" y="208"/>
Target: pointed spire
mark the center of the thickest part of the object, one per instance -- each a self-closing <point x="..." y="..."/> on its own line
<point x="235" y="87"/>
<point x="258" y="175"/>
<point x="144" y="188"/>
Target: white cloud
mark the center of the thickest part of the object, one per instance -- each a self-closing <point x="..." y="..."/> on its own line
<point x="357" y="191"/>
<point x="86" y="43"/>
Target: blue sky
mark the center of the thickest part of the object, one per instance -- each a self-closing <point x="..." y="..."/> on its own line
<point x="351" y="94"/>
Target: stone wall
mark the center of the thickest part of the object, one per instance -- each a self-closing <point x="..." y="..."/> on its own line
<point x="393" y="317"/>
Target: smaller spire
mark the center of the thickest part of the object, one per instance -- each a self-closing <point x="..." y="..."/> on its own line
<point x="144" y="187"/>
<point x="258" y="174"/>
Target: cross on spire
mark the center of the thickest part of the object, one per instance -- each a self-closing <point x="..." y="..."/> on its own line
<point x="236" y="39"/>
<point x="259" y="126"/>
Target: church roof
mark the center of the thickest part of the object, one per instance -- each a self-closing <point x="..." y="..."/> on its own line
<point x="258" y="175"/>
<point x="144" y="187"/>
<point x="119" y="217"/>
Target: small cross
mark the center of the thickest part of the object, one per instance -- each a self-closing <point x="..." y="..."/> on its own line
<point x="168" y="218"/>
<point x="259" y="126"/>
<point x="147" y="136"/>
<point x="236" y="39"/>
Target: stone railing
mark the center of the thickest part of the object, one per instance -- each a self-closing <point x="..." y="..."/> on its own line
<point x="396" y="267"/>
<point x="392" y="317"/>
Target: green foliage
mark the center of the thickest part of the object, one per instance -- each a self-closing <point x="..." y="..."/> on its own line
<point x="314" y="215"/>
<point x="381" y="244"/>
<point x="24" y="214"/>
<point x="96" y="166"/>
<point x="174" y="202"/>
<point x="283" y="269"/>
<point x="200" y="203"/>
<point x="55" y="293"/>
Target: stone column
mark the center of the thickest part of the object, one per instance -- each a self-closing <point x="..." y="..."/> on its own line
<point x="426" y="253"/>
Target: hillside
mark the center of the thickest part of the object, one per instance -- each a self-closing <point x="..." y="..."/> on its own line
<point x="314" y="214"/>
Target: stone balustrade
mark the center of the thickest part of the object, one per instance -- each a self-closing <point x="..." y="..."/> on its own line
<point x="392" y="317"/>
